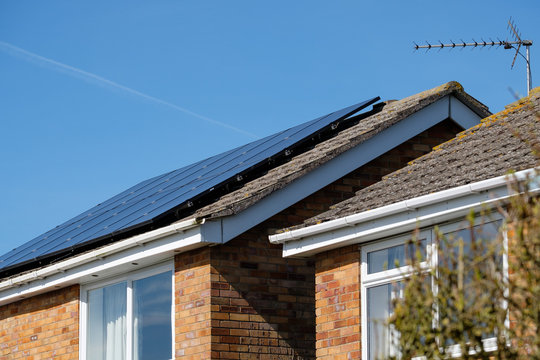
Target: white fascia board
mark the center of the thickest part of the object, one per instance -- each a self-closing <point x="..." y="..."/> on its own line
<point x="343" y="164"/>
<point x="396" y="218"/>
<point x="125" y="255"/>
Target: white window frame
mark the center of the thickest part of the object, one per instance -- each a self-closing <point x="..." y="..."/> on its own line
<point x="389" y="276"/>
<point x="128" y="278"/>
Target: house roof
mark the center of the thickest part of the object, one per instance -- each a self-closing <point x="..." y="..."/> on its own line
<point x="279" y="177"/>
<point x="236" y="186"/>
<point x="154" y="199"/>
<point x="508" y="140"/>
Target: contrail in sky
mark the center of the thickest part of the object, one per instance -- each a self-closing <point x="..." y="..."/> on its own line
<point x="93" y="78"/>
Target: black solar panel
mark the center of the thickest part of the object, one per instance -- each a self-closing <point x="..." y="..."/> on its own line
<point x="156" y="196"/>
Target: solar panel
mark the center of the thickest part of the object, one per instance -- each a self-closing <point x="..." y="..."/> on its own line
<point x="154" y="197"/>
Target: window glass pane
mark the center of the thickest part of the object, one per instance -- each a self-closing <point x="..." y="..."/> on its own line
<point x="381" y="338"/>
<point x="386" y="259"/>
<point x="152" y="303"/>
<point x="487" y="231"/>
<point x="484" y="234"/>
<point x="106" y="331"/>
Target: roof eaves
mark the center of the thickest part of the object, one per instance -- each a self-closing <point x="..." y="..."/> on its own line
<point x="399" y="217"/>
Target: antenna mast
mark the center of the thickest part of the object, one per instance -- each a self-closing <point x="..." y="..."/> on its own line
<point x="516" y="44"/>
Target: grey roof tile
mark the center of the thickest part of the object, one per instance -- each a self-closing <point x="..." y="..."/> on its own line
<point x="500" y="143"/>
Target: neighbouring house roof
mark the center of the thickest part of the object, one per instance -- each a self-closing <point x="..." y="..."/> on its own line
<point x="259" y="169"/>
<point x="508" y="140"/>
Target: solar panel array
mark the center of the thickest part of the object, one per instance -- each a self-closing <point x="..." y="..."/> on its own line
<point x="156" y="196"/>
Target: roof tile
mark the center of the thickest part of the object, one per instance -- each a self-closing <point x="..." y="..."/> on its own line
<point x="298" y="166"/>
<point x="500" y="143"/>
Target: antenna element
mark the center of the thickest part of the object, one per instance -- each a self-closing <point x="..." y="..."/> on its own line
<point x="505" y="43"/>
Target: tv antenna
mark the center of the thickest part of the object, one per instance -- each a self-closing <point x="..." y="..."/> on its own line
<point x="516" y="44"/>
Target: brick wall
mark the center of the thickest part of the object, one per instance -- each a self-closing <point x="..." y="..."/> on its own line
<point x="262" y="304"/>
<point x="192" y="304"/>
<point x="242" y="300"/>
<point x="337" y="303"/>
<point x="42" y="327"/>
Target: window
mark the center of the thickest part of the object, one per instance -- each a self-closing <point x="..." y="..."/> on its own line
<point x="384" y="265"/>
<point x="129" y="317"/>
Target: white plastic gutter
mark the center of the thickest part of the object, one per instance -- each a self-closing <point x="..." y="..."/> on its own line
<point x="442" y="204"/>
<point x="177" y="236"/>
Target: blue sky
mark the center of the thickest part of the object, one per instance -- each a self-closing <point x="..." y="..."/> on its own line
<point x="96" y="96"/>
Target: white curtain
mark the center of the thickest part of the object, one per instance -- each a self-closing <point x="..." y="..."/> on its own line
<point x="95" y="335"/>
<point x="136" y="330"/>
<point x="106" y="331"/>
<point x="151" y="302"/>
<point x="115" y="321"/>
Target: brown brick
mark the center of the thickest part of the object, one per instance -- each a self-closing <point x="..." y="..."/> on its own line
<point x="193" y="327"/>
<point x="338" y="308"/>
<point x="30" y="325"/>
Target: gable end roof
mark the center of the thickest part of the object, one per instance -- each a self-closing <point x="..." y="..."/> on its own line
<point x="505" y="141"/>
<point x="365" y="129"/>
